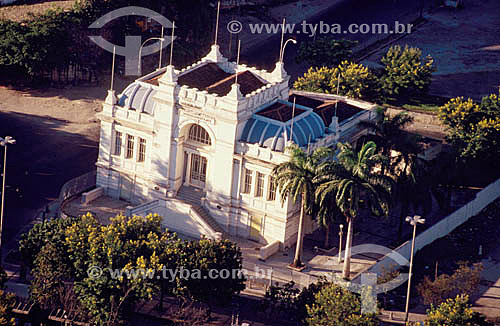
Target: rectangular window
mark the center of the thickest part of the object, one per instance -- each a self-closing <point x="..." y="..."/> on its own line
<point x="272" y="189"/>
<point x="259" y="187"/>
<point x="130" y="146"/>
<point x="118" y="143"/>
<point x="247" y="186"/>
<point x="142" y="150"/>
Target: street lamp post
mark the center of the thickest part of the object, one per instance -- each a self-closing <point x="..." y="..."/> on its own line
<point x="282" y="51"/>
<point x="341" y="226"/>
<point x="413" y="221"/>
<point x="139" y="66"/>
<point x="8" y="140"/>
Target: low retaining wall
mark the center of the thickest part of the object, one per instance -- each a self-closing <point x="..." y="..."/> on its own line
<point x="269" y="250"/>
<point x="89" y="196"/>
<point x="75" y="187"/>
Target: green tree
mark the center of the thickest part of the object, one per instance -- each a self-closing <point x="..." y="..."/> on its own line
<point x="474" y="129"/>
<point x="201" y="257"/>
<point x="49" y="232"/>
<point x="389" y="131"/>
<point x="294" y="180"/>
<point x="317" y="80"/>
<point x="334" y="305"/>
<point x="127" y="251"/>
<point x="326" y="214"/>
<point x="454" y="312"/>
<point x="406" y="73"/>
<point x="7" y="301"/>
<point x="349" y="78"/>
<point x="351" y="179"/>
<point x="353" y="80"/>
<point x="325" y="52"/>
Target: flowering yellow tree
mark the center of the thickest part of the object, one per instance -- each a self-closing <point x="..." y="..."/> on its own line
<point x="122" y="261"/>
<point x="454" y="312"/>
<point x="474" y="128"/>
<point x="351" y="79"/>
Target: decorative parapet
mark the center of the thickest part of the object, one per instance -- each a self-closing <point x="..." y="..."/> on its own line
<point x="133" y="116"/>
<point x="327" y="141"/>
<point x="261" y="153"/>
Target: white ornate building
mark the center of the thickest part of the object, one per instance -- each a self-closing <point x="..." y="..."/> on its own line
<point x="197" y="145"/>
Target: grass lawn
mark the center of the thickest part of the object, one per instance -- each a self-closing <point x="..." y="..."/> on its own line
<point x="422" y="103"/>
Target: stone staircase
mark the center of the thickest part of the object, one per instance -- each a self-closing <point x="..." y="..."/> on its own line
<point x="193" y="196"/>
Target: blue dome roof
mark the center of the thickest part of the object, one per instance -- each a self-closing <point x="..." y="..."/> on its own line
<point x="138" y="97"/>
<point x="274" y="134"/>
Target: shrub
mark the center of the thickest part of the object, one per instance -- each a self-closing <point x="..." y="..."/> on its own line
<point x="7" y="301"/>
<point x="334" y="305"/>
<point x="287" y="301"/>
<point x="464" y="280"/>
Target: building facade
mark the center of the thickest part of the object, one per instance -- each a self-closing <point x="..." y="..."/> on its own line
<point x="209" y="135"/>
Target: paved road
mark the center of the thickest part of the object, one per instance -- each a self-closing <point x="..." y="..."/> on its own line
<point x="344" y="13"/>
<point x="43" y="159"/>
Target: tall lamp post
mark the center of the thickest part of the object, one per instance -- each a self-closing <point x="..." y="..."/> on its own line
<point x="282" y="52"/>
<point x="8" y="140"/>
<point x="413" y="221"/>
<point x="139" y="65"/>
<point x="341" y="226"/>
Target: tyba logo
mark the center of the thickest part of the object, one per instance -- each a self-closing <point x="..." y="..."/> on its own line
<point x="132" y="43"/>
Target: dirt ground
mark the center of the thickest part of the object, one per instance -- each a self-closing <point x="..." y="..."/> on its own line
<point x="465" y="45"/>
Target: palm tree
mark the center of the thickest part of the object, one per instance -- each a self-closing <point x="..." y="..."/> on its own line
<point x="326" y="213"/>
<point x="295" y="179"/>
<point x="413" y="184"/>
<point x="351" y="179"/>
<point x="389" y="133"/>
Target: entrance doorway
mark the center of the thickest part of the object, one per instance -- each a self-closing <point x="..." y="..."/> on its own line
<point x="198" y="175"/>
<point x="255" y="227"/>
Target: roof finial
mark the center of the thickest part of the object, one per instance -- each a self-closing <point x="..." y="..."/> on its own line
<point x="172" y="44"/>
<point x="161" y="46"/>
<point x="217" y="22"/>
<point x="237" y="62"/>
<point x="113" y="69"/>
<point x="338" y="85"/>
<point x="111" y="98"/>
<point x="293" y="114"/>
<point x="282" y="38"/>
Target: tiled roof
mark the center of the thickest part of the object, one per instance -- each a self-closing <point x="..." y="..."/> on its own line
<point x="248" y="83"/>
<point x="326" y="108"/>
<point x="280" y="111"/>
<point x="213" y="79"/>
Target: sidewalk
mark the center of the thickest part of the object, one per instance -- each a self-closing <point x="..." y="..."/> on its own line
<point x="489" y="301"/>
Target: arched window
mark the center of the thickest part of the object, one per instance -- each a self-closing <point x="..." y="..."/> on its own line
<point x="200" y="135"/>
